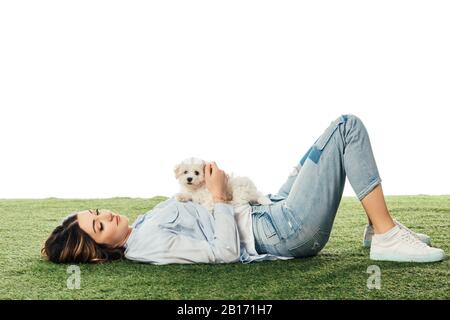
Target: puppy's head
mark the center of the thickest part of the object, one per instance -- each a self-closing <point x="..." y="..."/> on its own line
<point x="190" y="173"/>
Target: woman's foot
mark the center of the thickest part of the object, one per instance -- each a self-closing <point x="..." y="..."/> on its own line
<point x="401" y="245"/>
<point x="369" y="232"/>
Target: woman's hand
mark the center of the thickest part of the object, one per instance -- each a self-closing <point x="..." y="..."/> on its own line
<point x="216" y="182"/>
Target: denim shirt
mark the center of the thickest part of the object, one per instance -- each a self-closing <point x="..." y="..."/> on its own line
<point x="185" y="232"/>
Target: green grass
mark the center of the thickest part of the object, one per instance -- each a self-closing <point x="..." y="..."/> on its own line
<point x="338" y="272"/>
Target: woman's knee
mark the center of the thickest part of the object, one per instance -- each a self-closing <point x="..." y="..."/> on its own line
<point x="352" y="119"/>
<point x="354" y="123"/>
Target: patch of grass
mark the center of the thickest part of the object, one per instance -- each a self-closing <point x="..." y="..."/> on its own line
<point x="338" y="272"/>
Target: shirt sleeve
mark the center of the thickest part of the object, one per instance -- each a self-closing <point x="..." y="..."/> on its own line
<point x="179" y="248"/>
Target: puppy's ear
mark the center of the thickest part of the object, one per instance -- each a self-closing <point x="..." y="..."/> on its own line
<point x="177" y="170"/>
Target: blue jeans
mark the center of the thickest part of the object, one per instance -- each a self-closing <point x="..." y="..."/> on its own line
<point x="298" y="222"/>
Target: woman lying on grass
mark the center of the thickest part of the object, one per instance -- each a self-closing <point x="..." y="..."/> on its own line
<point x="297" y="224"/>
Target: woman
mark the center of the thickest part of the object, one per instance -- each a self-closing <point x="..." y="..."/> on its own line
<point x="297" y="224"/>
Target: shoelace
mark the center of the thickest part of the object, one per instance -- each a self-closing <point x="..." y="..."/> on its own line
<point x="406" y="229"/>
<point x="410" y="238"/>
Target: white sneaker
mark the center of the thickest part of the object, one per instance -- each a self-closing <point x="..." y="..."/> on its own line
<point x="402" y="246"/>
<point x="369" y="232"/>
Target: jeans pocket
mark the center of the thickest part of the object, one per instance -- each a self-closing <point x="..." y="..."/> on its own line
<point x="309" y="244"/>
<point x="267" y="226"/>
<point x="284" y="220"/>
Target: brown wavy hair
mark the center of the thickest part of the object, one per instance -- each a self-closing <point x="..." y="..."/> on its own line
<point x="68" y="243"/>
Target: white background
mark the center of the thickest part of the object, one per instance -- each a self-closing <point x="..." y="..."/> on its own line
<point x="103" y="98"/>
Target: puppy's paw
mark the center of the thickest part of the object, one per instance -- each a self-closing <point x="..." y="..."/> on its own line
<point x="183" y="197"/>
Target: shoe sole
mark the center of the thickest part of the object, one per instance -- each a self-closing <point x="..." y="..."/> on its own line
<point x="388" y="257"/>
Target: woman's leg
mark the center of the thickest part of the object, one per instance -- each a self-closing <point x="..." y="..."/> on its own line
<point x="314" y="194"/>
<point x="374" y="203"/>
<point x="375" y="206"/>
<point x="300" y="225"/>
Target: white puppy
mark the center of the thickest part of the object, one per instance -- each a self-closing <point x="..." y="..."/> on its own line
<point x="191" y="176"/>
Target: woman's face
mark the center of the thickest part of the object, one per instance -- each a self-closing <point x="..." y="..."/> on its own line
<point x="104" y="226"/>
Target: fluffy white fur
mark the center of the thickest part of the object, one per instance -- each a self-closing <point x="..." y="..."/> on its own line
<point x="191" y="176"/>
